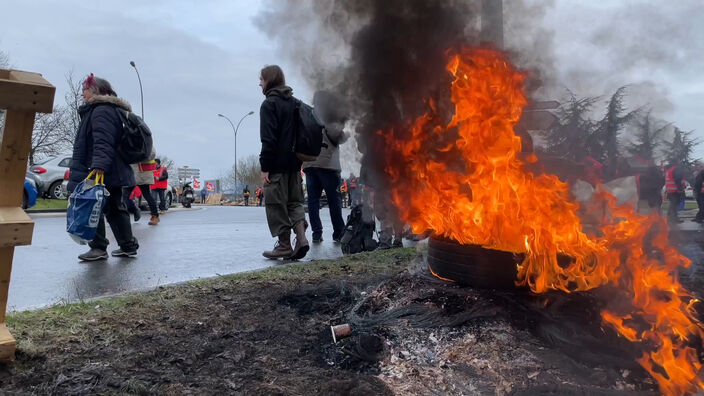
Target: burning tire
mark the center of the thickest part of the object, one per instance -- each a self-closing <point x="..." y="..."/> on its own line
<point x="472" y="265"/>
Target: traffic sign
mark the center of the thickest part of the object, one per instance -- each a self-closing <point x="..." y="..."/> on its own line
<point x="543" y="105"/>
<point x="538" y="117"/>
<point x="538" y="120"/>
<point x="186" y="172"/>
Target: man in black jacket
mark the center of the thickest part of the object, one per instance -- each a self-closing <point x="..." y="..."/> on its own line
<point x="697" y="187"/>
<point x="281" y="169"/>
<point x="95" y="150"/>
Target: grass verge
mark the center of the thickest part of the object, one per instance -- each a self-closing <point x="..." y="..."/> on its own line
<point x="43" y="203"/>
<point x="223" y="335"/>
<point x="66" y="320"/>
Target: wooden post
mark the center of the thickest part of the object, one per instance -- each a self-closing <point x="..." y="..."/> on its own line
<point x="22" y="94"/>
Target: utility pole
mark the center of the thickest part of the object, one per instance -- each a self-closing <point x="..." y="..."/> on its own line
<point x="235" y="129"/>
<point x="492" y="23"/>
<point x="141" y="93"/>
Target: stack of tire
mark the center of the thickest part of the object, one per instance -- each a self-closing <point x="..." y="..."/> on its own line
<point x="473" y="265"/>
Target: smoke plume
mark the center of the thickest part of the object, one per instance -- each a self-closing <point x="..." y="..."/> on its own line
<point x="384" y="57"/>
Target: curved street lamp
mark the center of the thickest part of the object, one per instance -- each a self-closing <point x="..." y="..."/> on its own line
<point x="141" y="94"/>
<point x="234" y="129"/>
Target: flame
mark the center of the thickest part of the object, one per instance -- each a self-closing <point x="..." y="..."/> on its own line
<point x="474" y="161"/>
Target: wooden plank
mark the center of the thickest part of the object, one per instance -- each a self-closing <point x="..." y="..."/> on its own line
<point x="28" y="78"/>
<point x="6" y="254"/>
<point x="24" y="91"/>
<point x="7" y="344"/>
<point x="23" y="97"/>
<point x="14" y="153"/>
<point x="15" y="227"/>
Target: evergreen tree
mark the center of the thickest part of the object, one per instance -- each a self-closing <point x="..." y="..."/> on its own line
<point x="568" y="138"/>
<point x="648" y="138"/>
<point x="681" y="150"/>
<point x="606" y="147"/>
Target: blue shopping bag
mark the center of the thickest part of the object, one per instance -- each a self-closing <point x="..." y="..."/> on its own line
<point x="85" y="206"/>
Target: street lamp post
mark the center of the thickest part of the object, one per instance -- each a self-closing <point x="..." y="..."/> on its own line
<point x="235" y="129"/>
<point x="141" y="93"/>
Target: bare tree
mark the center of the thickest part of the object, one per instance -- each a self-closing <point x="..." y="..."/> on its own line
<point x="73" y="98"/>
<point x="49" y="136"/>
<point x="248" y="173"/>
<point x="167" y="162"/>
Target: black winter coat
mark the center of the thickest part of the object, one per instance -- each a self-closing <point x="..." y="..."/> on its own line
<point x="96" y="141"/>
<point x="277" y="132"/>
<point x="698" y="181"/>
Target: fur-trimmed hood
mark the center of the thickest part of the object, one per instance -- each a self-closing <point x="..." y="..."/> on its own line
<point x="97" y="99"/>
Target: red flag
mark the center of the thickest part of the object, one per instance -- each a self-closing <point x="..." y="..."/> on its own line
<point x="209" y="186"/>
<point x="196" y="183"/>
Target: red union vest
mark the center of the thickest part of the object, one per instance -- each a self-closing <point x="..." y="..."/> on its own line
<point x="159" y="183"/>
<point x="670" y="185"/>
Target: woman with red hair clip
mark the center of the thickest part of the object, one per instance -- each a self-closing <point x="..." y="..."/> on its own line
<point x="94" y="149"/>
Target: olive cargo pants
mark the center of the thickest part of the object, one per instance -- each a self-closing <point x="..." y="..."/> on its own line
<point x="284" y="202"/>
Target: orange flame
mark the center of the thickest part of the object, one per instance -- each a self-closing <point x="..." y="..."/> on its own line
<point x="473" y="162"/>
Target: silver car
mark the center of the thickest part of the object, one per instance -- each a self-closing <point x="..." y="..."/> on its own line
<point x="51" y="173"/>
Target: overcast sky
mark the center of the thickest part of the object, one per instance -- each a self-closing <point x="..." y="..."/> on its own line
<point x="200" y="58"/>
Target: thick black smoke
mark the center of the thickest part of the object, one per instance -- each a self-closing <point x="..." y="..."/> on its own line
<point x="384" y="56"/>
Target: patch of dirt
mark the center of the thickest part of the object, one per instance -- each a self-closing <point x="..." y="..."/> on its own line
<point x="411" y="334"/>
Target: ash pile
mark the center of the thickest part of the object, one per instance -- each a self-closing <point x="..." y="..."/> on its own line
<point x="421" y="335"/>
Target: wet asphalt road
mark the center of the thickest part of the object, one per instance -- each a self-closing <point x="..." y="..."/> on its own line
<point x="191" y="244"/>
<point x="188" y="244"/>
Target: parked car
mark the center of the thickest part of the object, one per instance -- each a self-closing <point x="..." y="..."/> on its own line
<point x="29" y="196"/>
<point x="688" y="191"/>
<point x="51" y="173"/>
<point x="37" y="181"/>
<point x="64" y="183"/>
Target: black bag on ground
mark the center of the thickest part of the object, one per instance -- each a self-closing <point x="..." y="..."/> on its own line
<point x="135" y="146"/>
<point x="359" y="234"/>
<point x="309" y="132"/>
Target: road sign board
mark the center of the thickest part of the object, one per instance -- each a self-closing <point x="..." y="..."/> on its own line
<point x="538" y="120"/>
<point x="543" y="105"/>
<point x="188" y="172"/>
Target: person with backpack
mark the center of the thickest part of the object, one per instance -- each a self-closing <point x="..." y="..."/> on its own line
<point x="144" y="176"/>
<point x="324" y="172"/>
<point x="96" y="149"/>
<point x="245" y="194"/>
<point x="280" y="166"/>
<point x="161" y="183"/>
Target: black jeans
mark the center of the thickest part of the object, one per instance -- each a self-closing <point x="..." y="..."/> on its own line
<point x="147" y="194"/>
<point x="700" y="204"/>
<point x="161" y="193"/>
<point x="119" y="219"/>
<point x="317" y="180"/>
<point x="246" y="201"/>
